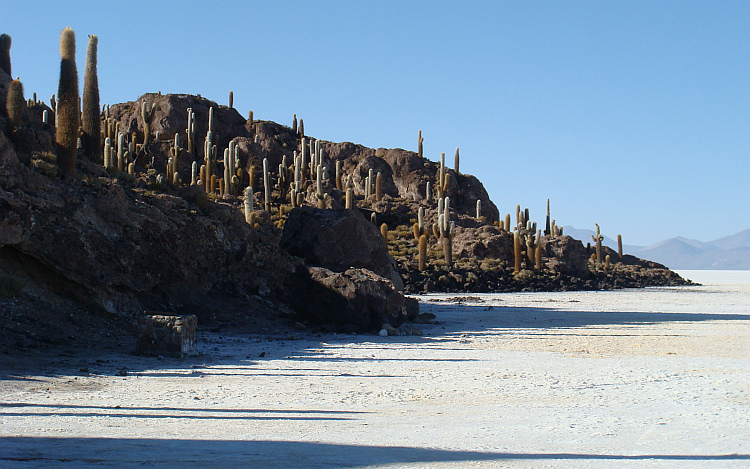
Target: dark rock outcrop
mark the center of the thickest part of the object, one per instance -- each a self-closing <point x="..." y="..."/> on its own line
<point x="338" y="240"/>
<point x="355" y="300"/>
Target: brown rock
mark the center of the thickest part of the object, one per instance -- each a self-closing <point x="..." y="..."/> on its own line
<point x="356" y="299"/>
<point x="338" y="240"/>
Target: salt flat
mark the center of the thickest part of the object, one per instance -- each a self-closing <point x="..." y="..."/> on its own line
<point x="633" y="378"/>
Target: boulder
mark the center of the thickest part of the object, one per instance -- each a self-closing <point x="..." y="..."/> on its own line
<point x="565" y="254"/>
<point x="483" y="242"/>
<point x="354" y="300"/>
<point x="338" y="240"/>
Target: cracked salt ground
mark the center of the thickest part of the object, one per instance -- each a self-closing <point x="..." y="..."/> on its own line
<point x="639" y="378"/>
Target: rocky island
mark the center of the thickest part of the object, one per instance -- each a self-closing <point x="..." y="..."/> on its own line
<point x="178" y="204"/>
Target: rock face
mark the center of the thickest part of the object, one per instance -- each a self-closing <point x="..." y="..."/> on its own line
<point x="486" y="241"/>
<point x="117" y="246"/>
<point x="338" y="240"/>
<point x="567" y="255"/>
<point x="356" y="299"/>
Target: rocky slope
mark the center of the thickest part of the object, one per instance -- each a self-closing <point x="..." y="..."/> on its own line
<point x="110" y="244"/>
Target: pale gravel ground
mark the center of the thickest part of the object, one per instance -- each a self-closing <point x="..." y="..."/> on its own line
<point x="637" y="378"/>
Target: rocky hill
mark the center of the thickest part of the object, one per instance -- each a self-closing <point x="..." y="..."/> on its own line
<point x="153" y="231"/>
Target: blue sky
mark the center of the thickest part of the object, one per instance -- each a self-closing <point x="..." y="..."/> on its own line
<point x="634" y="115"/>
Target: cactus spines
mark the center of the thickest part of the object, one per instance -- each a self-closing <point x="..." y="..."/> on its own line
<point x="231" y="99"/>
<point x="5" y="41"/>
<point x="90" y="117"/>
<point x="619" y="247"/>
<point x="598" y="240"/>
<point x="379" y="186"/>
<point x="68" y="111"/>
<point x="146" y="114"/>
<point x="349" y="198"/>
<point x="384" y="232"/>
<point x="267" y="186"/>
<point x="420" y="149"/>
<point x="15" y="104"/>
<point x="455" y="162"/>
<point x="422" y="253"/>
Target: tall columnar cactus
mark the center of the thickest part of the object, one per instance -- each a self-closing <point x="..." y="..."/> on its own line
<point x="420" y="148"/>
<point x="231" y="99"/>
<point x="339" y="185"/>
<point x="301" y="128"/>
<point x="507" y="222"/>
<point x="428" y="192"/>
<point x="249" y="203"/>
<point x="384" y="232"/>
<point x="121" y="151"/>
<point x="319" y="194"/>
<point x="441" y="180"/>
<point x="190" y="131"/>
<point x="250" y="117"/>
<point x="379" y="186"/>
<point x="294" y="123"/>
<point x="598" y="240"/>
<point x="619" y="247"/>
<point x="108" y="153"/>
<point x="419" y="227"/>
<point x="90" y="117"/>
<point x="15" y="104"/>
<point x="68" y="113"/>
<point x="517" y="251"/>
<point x="146" y="114"/>
<point x="422" y="253"/>
<point x="456" y="161"/>
<point x="267" y="185"/>
<point x="538" y="256"/>
<point x="176" y="152"/>
<point x="349" y="198"/>
<point x="479" y="209"/>
<point x="447" y="228"/>
<point x="194" y="173"/>
<point x="5" y="53"/>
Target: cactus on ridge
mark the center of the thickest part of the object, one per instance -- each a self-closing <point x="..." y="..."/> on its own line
<point x="90" y="116"/>
<point x="68" y="110"/>
<point x="15" y="105"/>
<point x="5" y="42"/>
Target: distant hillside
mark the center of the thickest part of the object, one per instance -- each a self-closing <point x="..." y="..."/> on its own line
<point x="727" y="253"/>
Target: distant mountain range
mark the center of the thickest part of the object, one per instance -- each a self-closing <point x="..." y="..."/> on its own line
<point x="727" y="253"/>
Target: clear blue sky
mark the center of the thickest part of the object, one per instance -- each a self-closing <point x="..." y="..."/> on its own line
<point x="635" y="114"/>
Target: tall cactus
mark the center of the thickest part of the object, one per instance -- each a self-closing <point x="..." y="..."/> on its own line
<point x="190" y="131"/>
<point x="619" y="247"/>
<point x="267" y="185"/>
<point x="68" y="114"/>
<point x="379" y="186"/>
<point x="598" y="240"/>
<point x="479" y="209"/>
<point x="420" y="141"/>
<point x="249" y="202"/>
<point x="455" y="162"/>
<point x="176" y="152"/>
<point x="447" y="228"/>
<point x="231" y="99"/>
<point x="108" y="152"/>
<point x="517" y="251"/>
<point x="15" y="104"/>
<point x="90" y="117"/>
<point x="146" y="114"/>
<point x="349" y="198"/>
<point x="5" y="53"/>
<point x="422" y="253"/>
<point x="547" y="225"/>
